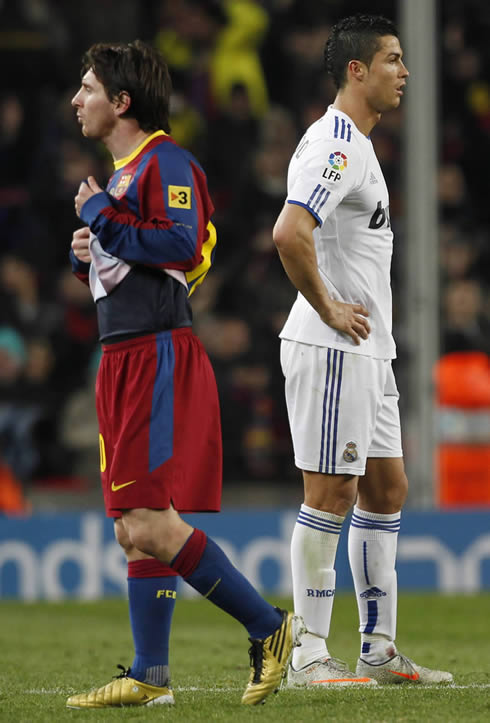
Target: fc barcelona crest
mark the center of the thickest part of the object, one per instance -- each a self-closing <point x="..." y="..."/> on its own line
<point x="122" y="185"/>
<point x="350" y="452"/>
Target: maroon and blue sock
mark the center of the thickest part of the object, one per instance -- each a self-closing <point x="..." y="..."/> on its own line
<point x="206" y="568"/>
<point x="152" y="593"/>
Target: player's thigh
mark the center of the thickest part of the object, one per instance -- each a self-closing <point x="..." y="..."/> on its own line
<point x="332" y="399"/>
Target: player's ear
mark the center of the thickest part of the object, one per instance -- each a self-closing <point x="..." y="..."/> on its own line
<point x="122" y="102"/>
<point x="357" y="69"/>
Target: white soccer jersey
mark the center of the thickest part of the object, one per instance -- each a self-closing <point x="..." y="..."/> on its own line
<point x="335" y="175"/>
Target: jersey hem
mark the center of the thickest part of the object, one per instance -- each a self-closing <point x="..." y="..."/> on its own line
<point x="338" y="347"/>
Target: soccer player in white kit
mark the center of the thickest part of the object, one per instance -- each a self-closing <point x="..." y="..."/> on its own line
<point x="335" y="242"/>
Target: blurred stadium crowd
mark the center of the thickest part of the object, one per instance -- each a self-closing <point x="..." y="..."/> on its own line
<point x="248" y="80"/>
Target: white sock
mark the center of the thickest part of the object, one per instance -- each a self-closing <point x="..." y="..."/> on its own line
<point x="313" y="549"/>
<point x="372" y="546"/>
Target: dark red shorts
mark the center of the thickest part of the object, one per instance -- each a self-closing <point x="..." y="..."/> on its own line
<point x="159" y="423"/>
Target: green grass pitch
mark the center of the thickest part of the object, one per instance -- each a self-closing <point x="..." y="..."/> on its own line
<point x="51" y="650"/>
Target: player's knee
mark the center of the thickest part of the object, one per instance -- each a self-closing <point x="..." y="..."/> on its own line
<point x="122" y="536"/>
<point x="330" y="493"/>
<point x="139" y="536"/>
<point x="343" y="502"/>
<point x="387" y="498"/>
<point x="397" y="494"/>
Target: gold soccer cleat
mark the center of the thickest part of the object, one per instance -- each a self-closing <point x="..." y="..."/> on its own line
<point x="269" y="658"/>
<point x="122" y="691"/>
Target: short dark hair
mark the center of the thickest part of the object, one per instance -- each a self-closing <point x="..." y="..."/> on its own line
<point x="355" y="38"/>
<point x="141" y="71"/>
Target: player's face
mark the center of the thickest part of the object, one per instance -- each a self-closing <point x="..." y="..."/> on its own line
<point x="95" y="112"/>
<point x="386" y="76"/>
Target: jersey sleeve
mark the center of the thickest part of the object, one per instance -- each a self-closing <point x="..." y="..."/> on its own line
<point x="324" y="173"/>
<point x="172" y="224"/>
<point x="79" y="268"/>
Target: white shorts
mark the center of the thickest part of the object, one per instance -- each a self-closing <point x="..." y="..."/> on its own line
<point x="342" y="408"/>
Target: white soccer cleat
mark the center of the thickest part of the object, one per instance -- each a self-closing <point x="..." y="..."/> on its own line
<point x="400" y="669"/>
<point x="325" y="673"/>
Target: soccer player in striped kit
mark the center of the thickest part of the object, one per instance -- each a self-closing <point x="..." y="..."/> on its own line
<point x="147" y="241"/>
<point x="335" y="242"/>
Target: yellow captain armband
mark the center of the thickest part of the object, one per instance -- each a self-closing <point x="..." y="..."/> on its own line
<point x="197" y="275"/>
<point x="103" y="462"/>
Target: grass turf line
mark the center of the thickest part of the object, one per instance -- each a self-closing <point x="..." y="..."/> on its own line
<point x="51" y="650"/>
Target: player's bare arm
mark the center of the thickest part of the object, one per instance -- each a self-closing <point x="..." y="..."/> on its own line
<point x="79" y="244"/>
<point x="293" y="237"/>
<point x="87" y="189"/>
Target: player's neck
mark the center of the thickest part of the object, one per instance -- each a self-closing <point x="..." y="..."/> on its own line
<point x="124" y="139"/>
<point x="358" y="110"/>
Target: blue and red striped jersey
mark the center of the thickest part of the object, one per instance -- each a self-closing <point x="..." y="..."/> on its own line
<point x="155" y="213"/>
